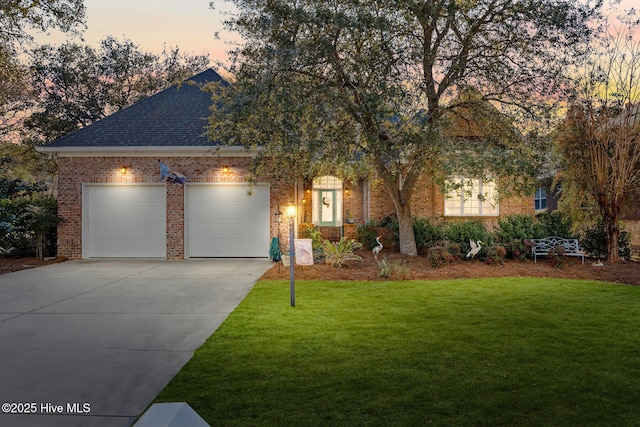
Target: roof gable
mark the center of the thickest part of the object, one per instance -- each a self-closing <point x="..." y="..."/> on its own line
<point x="174" y="117"/>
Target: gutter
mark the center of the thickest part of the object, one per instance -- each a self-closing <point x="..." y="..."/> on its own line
<point x="151" y="151"/>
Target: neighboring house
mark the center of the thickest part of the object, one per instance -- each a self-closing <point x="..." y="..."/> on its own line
<point x="113" y="202"/>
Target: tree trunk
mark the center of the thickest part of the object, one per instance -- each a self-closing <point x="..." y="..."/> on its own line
<point x="400" y="192"/>
<point x="613" y="234"/>
<point x="407" y="239"/>
<point x="40" y="246"/>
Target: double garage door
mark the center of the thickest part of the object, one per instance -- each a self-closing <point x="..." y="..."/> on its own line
<point x="221" y="220"/>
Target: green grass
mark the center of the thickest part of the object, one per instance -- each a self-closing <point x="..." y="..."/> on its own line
<point x="511" y="351"/>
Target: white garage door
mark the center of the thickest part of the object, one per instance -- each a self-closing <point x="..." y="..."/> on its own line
<point x="223" y="220"/>
<point x="124" y="221"/>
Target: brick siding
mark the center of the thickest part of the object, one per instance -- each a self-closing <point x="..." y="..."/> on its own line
<point x="428" y="202"/>
<point x="362" y="202"/>
<point x="75" y="171"/>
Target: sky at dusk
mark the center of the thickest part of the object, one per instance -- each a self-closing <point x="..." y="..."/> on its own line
<point x="190" y="25"/>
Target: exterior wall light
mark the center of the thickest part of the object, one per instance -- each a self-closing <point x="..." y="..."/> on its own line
<point x="291" y="212"/>
<point x="123" y="170"/>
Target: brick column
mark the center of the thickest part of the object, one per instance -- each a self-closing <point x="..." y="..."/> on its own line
<point x="175" y="222"/>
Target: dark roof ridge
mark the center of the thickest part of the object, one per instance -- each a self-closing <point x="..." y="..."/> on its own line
<point x="176" y="116"/>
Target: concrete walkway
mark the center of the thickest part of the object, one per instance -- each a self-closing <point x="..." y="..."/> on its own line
<point x="91" y="343"/>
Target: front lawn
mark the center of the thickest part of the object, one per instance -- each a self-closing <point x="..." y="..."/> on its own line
<point x="510" y="351"/>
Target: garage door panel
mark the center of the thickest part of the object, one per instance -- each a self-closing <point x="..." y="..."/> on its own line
<point x="124" y="221"/>
<point x="222" y="220"/>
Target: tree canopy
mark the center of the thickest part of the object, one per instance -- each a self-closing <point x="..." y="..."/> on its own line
<point x="599" y="140"/>
<point x="78" y="84"/>
<point x="321" y="83"/>
<point x="17" y="18"/>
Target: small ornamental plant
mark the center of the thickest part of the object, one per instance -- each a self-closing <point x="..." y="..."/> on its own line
<point x="439" y="256"/>
<point x="558" y="257"/>
<point x="384" y="269"/>
<point x="400" y="269"/>
<point x="495" y="255"/>
<point x="340" y="253"/>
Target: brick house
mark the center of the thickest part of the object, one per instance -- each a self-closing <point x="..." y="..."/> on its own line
<point x="113" y="202"/>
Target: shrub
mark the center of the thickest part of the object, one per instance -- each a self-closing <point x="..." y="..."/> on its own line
<point x="455" y="250"/>
<point x="515" y="227"/>
<point x="512" y="231"/>
<point x="426" y="233"/>
<point x="517" y="249"/>
<point x="367" y="233"/>
<point x="340" y="253"/>
<point x="594" y="242"/>
<point x="495" y="254"/>
<point x="28" y="226"/>
<point x="400" y="269"/>
<point x="553" y="224"/>
<point x="439" y="256"/>
<point x="310" y="231"/>
<point x="462" y="232"/>
<point x="558" y="257"/>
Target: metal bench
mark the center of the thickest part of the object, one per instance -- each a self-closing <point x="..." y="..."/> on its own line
<point x="546" y="245"/>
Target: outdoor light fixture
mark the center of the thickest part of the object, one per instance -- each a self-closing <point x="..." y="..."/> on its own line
<point x="123" y="170"/>
<point x="291" y="214"/>
<point x="278" y="216"/>
<point x="225" y="169"/>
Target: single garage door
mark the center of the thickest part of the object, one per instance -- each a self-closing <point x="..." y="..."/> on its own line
<point x="225" y="220"/>
<point x="124" y="221"/>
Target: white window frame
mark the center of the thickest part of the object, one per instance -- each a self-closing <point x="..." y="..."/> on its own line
<point x="539" y="198"/>
<point x="471" y="198"/>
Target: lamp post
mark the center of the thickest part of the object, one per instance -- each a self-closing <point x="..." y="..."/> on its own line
<point x="291" y="213"/>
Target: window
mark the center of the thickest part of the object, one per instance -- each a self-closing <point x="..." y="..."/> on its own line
<point x="327" y="201"/>
<point x="471" y="197"/>
<point x="540" y="199"/>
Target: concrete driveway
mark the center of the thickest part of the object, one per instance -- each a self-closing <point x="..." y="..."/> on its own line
<point x="91" y="343"/>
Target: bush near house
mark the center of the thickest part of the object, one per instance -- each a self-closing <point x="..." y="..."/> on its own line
<point x="28" y="220"/>
<point x="462" y="232"/>
<point x="367" y="233"/>
<point x="514" y="230"/>
<point x="447" y="242"/>
<point x="310" y="231"/>
<point x="554" y="224"/>
<point x="594" y="241"/>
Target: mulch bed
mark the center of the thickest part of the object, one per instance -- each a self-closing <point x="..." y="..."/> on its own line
<point x="9" y="265"/>
<point x="420" y="269"/>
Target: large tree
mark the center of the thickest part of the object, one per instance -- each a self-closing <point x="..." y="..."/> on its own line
<point x="321" y="83"/>
<point x="17" y="19"/>
<point x="599" y="140"/>
<point x="79" y="84"/>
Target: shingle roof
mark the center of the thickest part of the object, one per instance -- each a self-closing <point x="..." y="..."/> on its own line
<point x="176" y="116"/>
